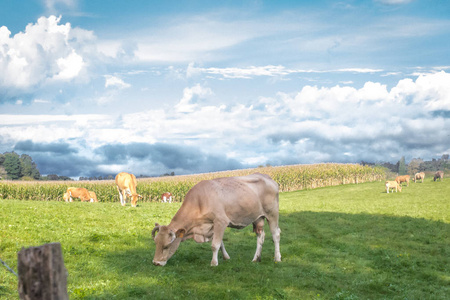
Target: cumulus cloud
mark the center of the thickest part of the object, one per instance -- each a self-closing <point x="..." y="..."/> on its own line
<point x="191" y="97"/>
<point x="371" y="122"/>
<point x="45" y="52"/>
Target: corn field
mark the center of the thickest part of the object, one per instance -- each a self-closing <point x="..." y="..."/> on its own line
<point x="289" y="178"/>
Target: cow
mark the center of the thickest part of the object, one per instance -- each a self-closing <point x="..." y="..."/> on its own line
<point x="211" y="206"/>
<point x="439" y="175"/>
<point x="393" y="185"/>
<point x="126" y="185"/>
<point x="81" y="193"/>
<point x="419" y="176"/>
<point x="93" y="196"/>
<point x="166" y="197"/>
<point x="401" y="179"/>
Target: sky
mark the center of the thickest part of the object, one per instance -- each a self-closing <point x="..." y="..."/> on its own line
<point x="91" y="88"/>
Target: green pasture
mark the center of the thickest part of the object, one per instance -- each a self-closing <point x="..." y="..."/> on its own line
<point x="342" y="242"/>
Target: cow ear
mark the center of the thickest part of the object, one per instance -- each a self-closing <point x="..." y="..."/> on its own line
<point x="180" y="233"/>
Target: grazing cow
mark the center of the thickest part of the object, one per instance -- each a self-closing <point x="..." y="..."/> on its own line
<point x="419" y="176"/>
<point x="211" y="206"/>
<point x="93" y="196"/>
<point x="401" y="179"/>
<point x="81" y="193"/>
<point x="166" y="197"/>
<point x="439" y="175"/>
<point x="126" y="185"/>
<point x="393" y="185"/>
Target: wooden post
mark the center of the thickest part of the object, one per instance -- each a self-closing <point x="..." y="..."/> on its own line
<point x="42" y="274"/>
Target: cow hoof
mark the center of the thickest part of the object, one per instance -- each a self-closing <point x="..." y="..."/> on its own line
<point x="214" y="263"/>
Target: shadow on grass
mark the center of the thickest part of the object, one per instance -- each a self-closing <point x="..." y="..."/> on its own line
<point x="324" y="256"/>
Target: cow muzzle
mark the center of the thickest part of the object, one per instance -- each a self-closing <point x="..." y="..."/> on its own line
<point x="159" y="263"/>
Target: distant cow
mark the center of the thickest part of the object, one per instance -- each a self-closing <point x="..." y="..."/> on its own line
<point x="82" y="193"/>
<point x="126" y="185"/>
<point x="419" y="176"/>
<point x="93" y="196"/>
<point x="391" y="185"/>
<point x="401" y="179"/>
<point x="213" y="205"/>
<point x="439" y="175"/>
<point x="166" y="197"/>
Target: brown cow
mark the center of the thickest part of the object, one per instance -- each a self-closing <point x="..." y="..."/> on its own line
<point x="126" y="185"/>
<point x="81" y="193"/>
<point x="404" y="178"/>
<point x="439" y="175"/>
<point x="419" y="176"/>
<point x="93" y="196"/>
<point x="212" y="205"/>
<point x="166" y="197"/>
<point x="393" y="185"/>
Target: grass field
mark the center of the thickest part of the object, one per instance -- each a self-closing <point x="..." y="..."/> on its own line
<point x="342" y="242"/>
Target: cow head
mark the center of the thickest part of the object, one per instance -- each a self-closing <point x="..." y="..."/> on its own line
<point x="66" y="197"/>
<point x="167" y="242"/>
<point x="134" y="199"/>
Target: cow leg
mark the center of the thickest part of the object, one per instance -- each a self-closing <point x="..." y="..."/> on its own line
<point x="258" y="228"/>
<point x="276" y="235"/>
<point x="224" y="252"/>
<point x="120" y="196"/>
<point x="217" y="242"/>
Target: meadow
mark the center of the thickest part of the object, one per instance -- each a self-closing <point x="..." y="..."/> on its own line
<point x="350" y="241"/>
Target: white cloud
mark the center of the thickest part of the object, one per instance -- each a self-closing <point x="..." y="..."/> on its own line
<point x="69" y="67"/>
<point x="113" y="81"/>
<point x="45" y="51"/>
<point x="189" y="102"/>
<point x="41" y="101"/>
<point x="270" y="71"/>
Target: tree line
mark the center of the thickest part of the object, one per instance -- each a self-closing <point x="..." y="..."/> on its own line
<point x="416" y="165"/>
<point x="22" y="167"/>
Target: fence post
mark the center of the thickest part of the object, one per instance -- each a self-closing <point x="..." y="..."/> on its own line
<point x="42" y="274"/>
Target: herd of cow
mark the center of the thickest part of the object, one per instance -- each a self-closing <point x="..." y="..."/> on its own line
<point x="207" y="210"/>
<point x="397" y="183"/>
<point x="126" y="185"/>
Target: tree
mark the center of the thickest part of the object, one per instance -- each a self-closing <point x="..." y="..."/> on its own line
<point x="3" y="173"/>
<point x="12" y="165"/>
<point x="414" y="165"/>
<point x="402" y="166"/>
<point x="29" y="167"/>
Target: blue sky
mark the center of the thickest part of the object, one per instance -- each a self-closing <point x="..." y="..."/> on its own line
<point x="152" y="87"/>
